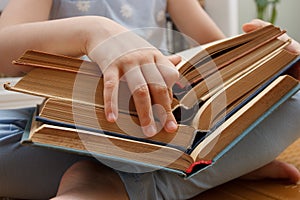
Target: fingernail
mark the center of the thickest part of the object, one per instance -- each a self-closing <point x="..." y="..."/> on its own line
<point x="150" y="130"/>
<point x="171" y="126"/>
<point x="111" y="117"/>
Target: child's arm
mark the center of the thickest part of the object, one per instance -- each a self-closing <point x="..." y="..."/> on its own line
<point x="24" y="25"/>
<point x="14" y="41"/>
<point x="192" y="20"/>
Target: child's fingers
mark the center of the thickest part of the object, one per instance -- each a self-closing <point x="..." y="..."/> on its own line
<point x="254" y="24"/>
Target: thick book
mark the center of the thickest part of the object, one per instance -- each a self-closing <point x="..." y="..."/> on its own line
<point x="203" y="152"/>
<point x="214" y="112"/>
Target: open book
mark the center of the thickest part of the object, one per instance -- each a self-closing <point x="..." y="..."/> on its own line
<point x="214" y="110"/>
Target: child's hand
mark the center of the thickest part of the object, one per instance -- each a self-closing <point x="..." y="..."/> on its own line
<point x="149" y="74"/>
<point x="294" y="47"/>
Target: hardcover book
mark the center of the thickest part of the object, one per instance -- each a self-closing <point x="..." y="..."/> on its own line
<point x="225" y="90"/>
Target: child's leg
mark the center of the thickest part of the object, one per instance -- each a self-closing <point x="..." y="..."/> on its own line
<point x="259" y="148"/>
<point x="277" y="170"/>
<point x="90" y="180"/>
<point x="28" y="172"/>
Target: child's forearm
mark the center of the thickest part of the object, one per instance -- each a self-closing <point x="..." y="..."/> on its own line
<point x="148" y="73"/>
<point x="72" y="36"/>
<point x="193" y="21"/>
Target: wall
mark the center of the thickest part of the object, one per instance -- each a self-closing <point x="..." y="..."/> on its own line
<point x="287" y="15"/>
